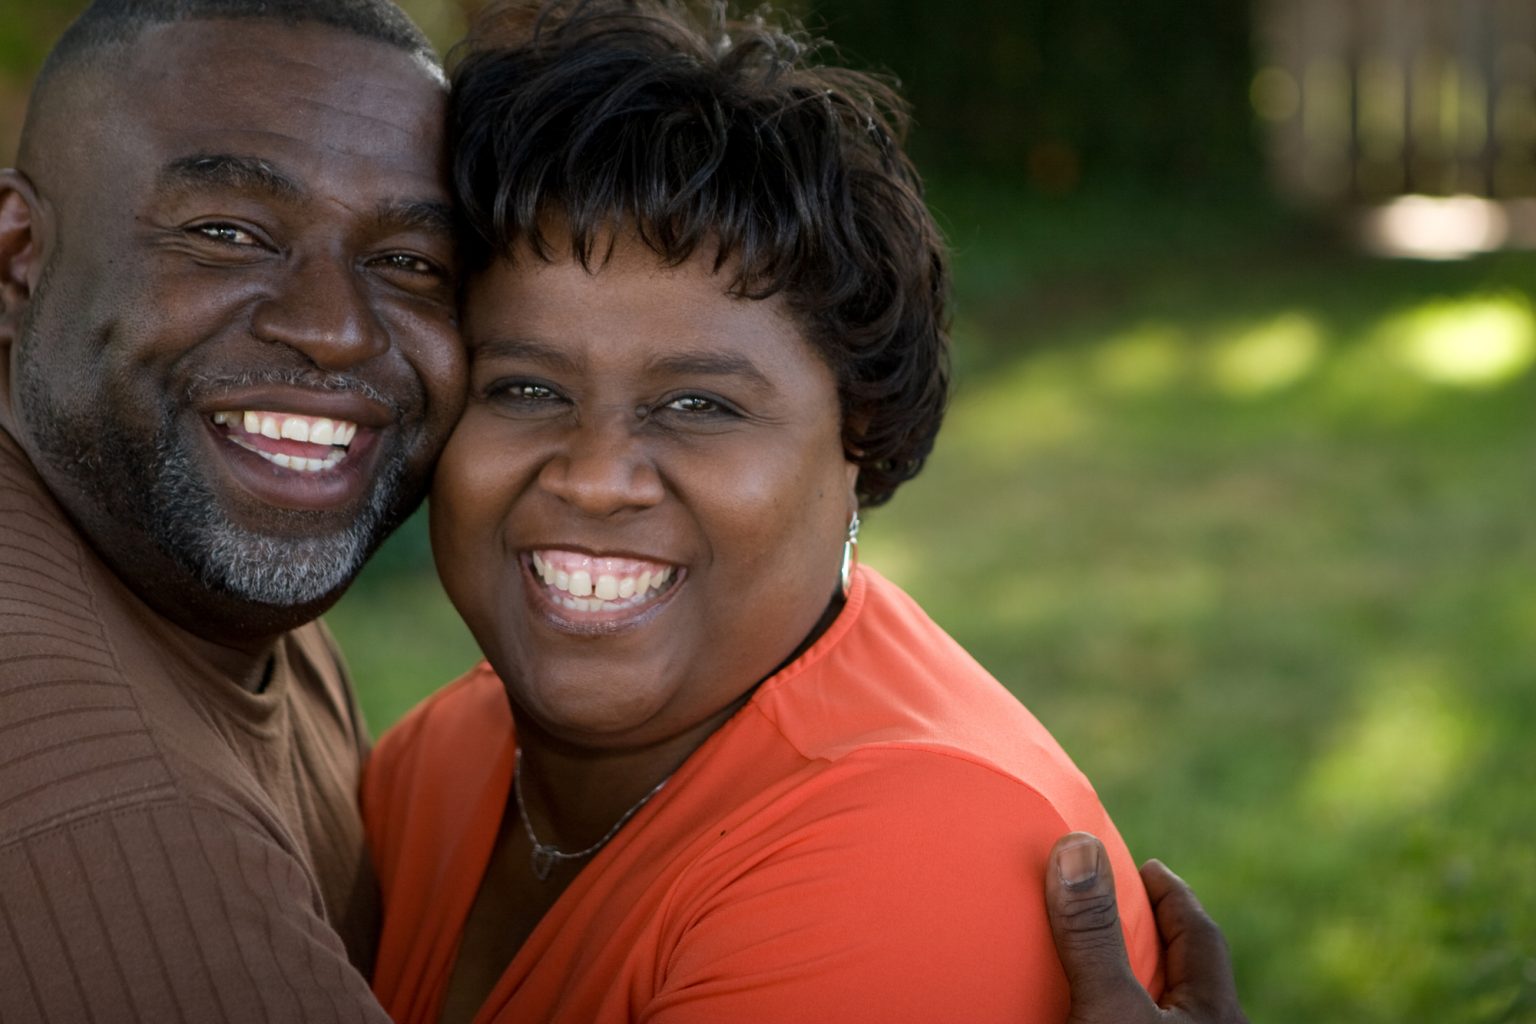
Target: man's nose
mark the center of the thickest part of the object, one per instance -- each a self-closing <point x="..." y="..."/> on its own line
<point x="323" y="310"/>
<point x="602" y="467"/>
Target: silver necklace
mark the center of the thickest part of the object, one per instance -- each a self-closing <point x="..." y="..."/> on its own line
<point x="545" y="855"/>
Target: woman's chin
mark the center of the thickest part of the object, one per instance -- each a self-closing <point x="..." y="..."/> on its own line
<point x="591" y="711"/>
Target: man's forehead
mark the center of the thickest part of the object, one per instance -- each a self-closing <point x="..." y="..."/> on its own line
<point x="202" y="50"/>
<point x="294" y="91"/>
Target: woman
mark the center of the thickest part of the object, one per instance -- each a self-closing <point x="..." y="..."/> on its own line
<point x="713" y="771"/>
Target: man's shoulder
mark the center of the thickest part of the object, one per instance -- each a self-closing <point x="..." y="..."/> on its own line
<point x="74" y="739"/>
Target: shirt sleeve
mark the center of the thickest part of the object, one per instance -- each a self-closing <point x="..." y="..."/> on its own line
<point x="906" y="888"/>
<point x="168" y="912"/>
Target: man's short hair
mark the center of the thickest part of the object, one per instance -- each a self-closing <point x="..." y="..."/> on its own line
<point x="108" y="24"/>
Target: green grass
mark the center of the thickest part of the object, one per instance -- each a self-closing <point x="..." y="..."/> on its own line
<point x="1247" y="522"/>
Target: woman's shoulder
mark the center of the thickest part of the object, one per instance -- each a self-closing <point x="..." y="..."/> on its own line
<point x="896" y="682"/>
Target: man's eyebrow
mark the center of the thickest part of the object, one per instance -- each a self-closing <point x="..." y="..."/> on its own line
<point x="419" y="215"/>
<point x="224" y="170"/>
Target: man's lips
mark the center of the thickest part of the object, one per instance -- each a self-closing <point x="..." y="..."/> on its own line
<point x="309" y="461"/>
<point x="306" y="444"/>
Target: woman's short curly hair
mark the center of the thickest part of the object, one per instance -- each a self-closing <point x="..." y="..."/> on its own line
<point x="700" y="132"/>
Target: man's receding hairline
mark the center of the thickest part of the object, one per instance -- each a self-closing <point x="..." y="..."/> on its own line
<point x="105" y="47"/>
<point x="103" y="34"/>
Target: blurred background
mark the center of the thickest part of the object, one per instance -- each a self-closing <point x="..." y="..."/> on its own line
<point x="1238" y="488"/>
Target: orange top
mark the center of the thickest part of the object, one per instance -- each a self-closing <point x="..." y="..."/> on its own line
<point x="865" y="840"/>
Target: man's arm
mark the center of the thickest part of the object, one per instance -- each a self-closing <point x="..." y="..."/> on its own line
<point x="169" y="912"/>
<point x="1085" y="921"/>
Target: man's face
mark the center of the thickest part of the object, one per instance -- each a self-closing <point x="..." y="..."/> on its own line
<point x="243" y="357"/>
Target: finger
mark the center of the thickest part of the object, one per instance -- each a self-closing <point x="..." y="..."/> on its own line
<point x="1085" y="921"/>
<point x="1199" y="965"/>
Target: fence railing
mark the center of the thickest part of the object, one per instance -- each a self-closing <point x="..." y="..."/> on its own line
<point x="1372" y="99"/>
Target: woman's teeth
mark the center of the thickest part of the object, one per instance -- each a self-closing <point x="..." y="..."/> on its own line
<point x="585" y="584"/>
<point x="245" y="426"/>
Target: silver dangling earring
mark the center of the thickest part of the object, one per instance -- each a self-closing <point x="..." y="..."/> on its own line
<point x="849" y="547"/>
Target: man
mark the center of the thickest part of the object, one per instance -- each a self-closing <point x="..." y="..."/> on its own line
<point x="229" y="359"/>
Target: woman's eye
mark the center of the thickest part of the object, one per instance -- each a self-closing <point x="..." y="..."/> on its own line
<point x="695" y="404"/>
<point x="522" y="391"/>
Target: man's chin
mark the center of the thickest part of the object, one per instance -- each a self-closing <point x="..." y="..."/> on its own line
<point x="277" y="572"/>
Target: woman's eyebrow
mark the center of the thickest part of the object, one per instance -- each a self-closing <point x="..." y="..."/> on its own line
<point x="524" y="348"/>
<point x="712" y="364"/>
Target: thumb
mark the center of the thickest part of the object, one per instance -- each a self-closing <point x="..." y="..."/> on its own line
<point x="1085" y="922"/>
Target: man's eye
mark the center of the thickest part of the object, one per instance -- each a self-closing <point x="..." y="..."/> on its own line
<point x="228" y="234"/>
<point x="404" y="261"/>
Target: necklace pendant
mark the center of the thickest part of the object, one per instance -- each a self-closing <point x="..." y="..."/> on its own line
<point x="544" y="861"/>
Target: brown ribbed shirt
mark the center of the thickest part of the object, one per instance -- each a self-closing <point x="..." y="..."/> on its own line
<point x="172" y="847"/>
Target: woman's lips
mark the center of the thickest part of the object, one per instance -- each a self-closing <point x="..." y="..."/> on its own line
<point x="600" y="587"/>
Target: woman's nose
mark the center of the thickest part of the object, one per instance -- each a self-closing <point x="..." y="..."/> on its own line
<point x="323" y="310"/>
<point x="603" y="467"/>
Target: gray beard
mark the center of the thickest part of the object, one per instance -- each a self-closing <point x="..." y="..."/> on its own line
<point x="284" y="570"/>
<point x="155" y="487"/>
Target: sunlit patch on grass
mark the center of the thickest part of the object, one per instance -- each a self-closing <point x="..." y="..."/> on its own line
<point x="1345" y="955"/>
<point x="1404" y="750"/>
<point x="890" y="552"/>
<point x="1040" y="405"/>
<point x="1476" y="342"/>
<point x="1146" y="360"/>
<point x="1266" y="358"/>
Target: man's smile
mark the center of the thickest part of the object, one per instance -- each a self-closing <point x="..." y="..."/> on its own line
<point x="307" y="444"/>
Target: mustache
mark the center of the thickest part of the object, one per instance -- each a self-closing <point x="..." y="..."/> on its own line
<point x="307" y="379"/>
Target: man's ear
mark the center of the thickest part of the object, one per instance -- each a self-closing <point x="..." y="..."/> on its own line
<point x="21" y="253"/>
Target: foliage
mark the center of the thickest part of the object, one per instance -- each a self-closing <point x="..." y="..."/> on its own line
<point x="1057" y="94"/>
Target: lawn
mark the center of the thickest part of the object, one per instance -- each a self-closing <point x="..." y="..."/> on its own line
<point x="1246" y="519"/>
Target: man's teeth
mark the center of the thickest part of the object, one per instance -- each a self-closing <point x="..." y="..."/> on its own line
<point x="303" y="465"/>
<point x="334" y="434"/>
<point x="609" y="591"/>
<point x="282" y="426"/>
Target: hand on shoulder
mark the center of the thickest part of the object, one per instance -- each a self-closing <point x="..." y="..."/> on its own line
<point x="1085" y="922"/>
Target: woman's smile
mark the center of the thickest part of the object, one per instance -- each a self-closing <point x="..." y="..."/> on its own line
<point x="643" y="508"/>
<point x="587" y="593"/>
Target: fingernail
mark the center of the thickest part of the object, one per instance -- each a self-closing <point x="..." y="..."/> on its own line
<point x="1078" y="865"/>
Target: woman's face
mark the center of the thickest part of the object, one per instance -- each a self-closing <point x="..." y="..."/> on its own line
<point x="642" y="512"/>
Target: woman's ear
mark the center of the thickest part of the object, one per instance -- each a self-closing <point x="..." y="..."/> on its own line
<point x="21" y="262"/>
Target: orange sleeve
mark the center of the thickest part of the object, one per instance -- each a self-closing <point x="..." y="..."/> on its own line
<point x="901" y="886"/>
